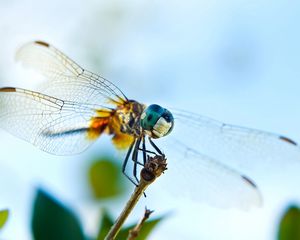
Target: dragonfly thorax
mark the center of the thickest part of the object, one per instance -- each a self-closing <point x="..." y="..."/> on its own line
<point x="157" y="121"/>
<point x="129" y="116"/>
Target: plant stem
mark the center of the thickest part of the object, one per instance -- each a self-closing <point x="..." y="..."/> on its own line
<point x="133" y="233"/>
<point x="154" y="167"/>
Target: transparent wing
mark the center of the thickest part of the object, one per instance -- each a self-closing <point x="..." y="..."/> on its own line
<point x="243" y="148"/>
<point x="56" y="126"/>
<point x="203" y="179"/>
<point x="67" y="80"/>
<point x="212" y="161"/>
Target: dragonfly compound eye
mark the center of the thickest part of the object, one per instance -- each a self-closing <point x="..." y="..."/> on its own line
<point x="157" y="121"/>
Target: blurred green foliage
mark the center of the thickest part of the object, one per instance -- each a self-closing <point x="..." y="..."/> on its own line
<point x="53" y="221"/>
<point x="289" y="228"/>
<point x="107" y="222"/>
<point x="3" y="217"/>
<point x="105" y="178"/>
<point x="106" y="181"/>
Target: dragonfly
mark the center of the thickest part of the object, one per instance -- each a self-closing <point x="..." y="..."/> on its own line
<point x="74" y="107"/>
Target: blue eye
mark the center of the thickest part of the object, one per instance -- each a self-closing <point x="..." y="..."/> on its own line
<point x="150" y="116"/>
<point x="168" y="116"/>
<point x="157" y="121"/>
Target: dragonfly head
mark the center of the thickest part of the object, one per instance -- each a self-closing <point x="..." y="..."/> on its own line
<point x="157" y="121"/>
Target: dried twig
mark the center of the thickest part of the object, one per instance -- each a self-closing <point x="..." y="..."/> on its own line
<point x="153" y="168"/>
<point x="133" y="233"/>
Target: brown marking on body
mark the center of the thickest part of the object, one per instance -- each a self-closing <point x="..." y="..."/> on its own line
<point x="116" y="102"/>
<point x="103" y="113"/>
<point x="97" y="127"/>
<point x="120" y="140"/>
<point x="121" y="125"/>
<point x="109" y="123"/>
<point x="42" y="43"/>
<point x="288" y="140"/>
<point x="8" y="89"/>
<point x="116" y="123"/>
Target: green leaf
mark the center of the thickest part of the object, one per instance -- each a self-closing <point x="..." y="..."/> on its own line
<point x="106" y="223"/>
<point x="3" y="217"/>
<point x="51" y="220"/>
<point x="105" y="179"/>
<point x="145" y="231"/>
<point x="289" y="228"/>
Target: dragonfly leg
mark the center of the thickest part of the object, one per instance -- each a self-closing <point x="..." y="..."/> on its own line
<point x="147" y="151"/>
<point x="135" y="157"/>
<point x="126" y="161"/>
<point x="155" y="147"/>
<point x="139" y="163"/>
<point x="144" y="154"/>
<point x="144" y="151"/>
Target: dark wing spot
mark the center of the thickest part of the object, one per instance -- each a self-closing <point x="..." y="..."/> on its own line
<point x="288" y="140"/>
<point x="8" y="89"/>
<point x="42" y="43"/>
<point x="248" y="180"/>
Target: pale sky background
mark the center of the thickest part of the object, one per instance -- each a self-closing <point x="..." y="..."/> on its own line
<point x="235" y="61"/>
